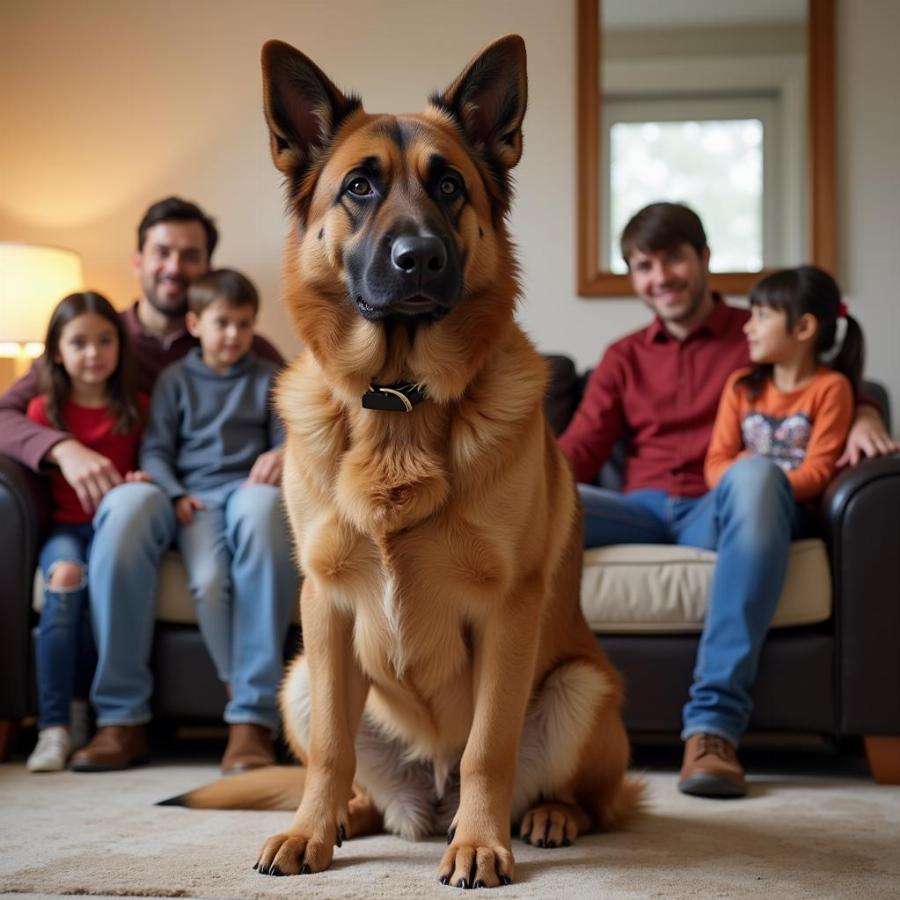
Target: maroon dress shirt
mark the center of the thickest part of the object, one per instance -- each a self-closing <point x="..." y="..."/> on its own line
<point x="662" y="394"/>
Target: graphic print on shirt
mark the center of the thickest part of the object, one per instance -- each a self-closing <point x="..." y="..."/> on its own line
<point x="782" y="439"/>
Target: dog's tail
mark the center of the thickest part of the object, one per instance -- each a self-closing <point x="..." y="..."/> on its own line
<point x="272" y="787"/>
<point x="628" y="803"/>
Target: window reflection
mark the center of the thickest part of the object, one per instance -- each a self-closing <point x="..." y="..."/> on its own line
<point x="715" y="165"/>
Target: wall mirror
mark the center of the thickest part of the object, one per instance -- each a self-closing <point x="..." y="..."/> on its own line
<point x="726" y="105"/>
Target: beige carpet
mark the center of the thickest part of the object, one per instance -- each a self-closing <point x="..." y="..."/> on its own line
<point x="793" y="837"/>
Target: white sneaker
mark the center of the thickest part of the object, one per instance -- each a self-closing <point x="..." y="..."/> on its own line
<point x="52" y="750"/>
<point x="79" y="724"/>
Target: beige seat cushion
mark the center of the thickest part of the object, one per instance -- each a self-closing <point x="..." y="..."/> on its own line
<point x="628" y="588"/>
<point x="174" y="602"/>
<point x="650" y="588"/>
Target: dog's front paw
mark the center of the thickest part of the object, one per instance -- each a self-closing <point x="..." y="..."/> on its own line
<point x="297" y="852"/>
<point x="473" y="863"/>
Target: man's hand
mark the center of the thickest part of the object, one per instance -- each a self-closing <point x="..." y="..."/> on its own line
<point x="184" y="508"/>
<point x="90" y="474"/>
<point x="267" y="468"/>
<point x="138" y="476"/>
<point x="867" y="438"/>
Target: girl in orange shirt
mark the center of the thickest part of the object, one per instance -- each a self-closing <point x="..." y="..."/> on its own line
<point x="790" y="406"/>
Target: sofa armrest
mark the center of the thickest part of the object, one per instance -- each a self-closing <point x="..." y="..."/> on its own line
<point x="23" y="518"/>
<point x="862" y="514"/>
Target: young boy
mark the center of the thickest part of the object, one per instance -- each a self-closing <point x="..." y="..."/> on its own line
<point x="213" y="444"/>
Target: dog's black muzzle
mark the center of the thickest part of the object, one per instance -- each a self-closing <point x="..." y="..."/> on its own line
<point x="414" y="272"/>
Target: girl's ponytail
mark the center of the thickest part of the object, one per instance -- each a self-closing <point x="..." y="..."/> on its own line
<point x="849" y="358"/>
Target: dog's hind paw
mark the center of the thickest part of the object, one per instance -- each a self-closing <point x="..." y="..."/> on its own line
<point x="552" y="825"/>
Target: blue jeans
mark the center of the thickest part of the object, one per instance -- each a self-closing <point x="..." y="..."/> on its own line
<point x="134" y="525"/>
<point x="65" y="650"/>
<point x="238" y="558"/>
<point x="749" y="519"/>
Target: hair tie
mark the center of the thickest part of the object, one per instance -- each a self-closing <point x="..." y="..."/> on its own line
<point x="843" y="312"/>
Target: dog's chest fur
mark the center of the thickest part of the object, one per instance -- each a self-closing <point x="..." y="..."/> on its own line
<point x="409" y="591"/>
<point x="412" y="635"/>
<point x="392" y="525"/>
<point x="410" y="632"/>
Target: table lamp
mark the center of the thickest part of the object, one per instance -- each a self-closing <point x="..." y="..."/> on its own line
<point x="33" y="279"/>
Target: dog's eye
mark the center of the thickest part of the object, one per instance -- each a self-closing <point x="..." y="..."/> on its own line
<point x="449" y="186"/>
<point x="360" y="187"/>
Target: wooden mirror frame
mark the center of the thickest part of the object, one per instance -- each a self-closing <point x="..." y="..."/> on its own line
<point x="820" y="213"/>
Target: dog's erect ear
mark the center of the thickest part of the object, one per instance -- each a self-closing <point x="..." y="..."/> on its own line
<point x="488" y="99"/>
<point x="303" y="108"/>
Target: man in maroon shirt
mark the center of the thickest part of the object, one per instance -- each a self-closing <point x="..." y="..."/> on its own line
<point x="659" y="388"/>
<point x="135" y="524"/>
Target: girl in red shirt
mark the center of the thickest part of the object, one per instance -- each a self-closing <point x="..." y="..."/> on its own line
<point x="87" y="390"/>
<point x="790" y="406"/>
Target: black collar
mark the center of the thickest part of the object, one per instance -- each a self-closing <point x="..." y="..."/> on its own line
<point x="399" y="397"/>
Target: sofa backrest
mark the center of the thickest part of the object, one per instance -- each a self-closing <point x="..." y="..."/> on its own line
<point x="877" y="392"/>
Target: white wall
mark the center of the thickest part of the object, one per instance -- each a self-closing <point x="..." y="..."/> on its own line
<point x="108" y="105"/>
<point x="868" y="117"/>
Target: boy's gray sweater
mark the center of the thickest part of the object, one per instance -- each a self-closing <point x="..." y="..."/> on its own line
<point x="205" y="429"/>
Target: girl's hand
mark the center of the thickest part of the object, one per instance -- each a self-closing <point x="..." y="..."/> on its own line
<point x="184" y="508"/>
<point x="138" y="475"/>
<point x="868" y="438"/>
<point x="267" y="468"/>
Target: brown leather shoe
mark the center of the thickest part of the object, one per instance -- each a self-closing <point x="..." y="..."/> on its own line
<point x="711" y="768"/>
<point x="113" y="747"/>
<point x="249" y="747"/>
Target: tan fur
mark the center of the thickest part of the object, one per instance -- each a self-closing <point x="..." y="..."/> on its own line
<point x="441" y="549"/>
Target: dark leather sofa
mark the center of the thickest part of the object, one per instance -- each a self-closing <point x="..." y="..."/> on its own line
<point x="839" y="679"/>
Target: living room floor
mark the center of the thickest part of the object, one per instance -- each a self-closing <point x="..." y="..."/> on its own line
<point x="814" y="825"/>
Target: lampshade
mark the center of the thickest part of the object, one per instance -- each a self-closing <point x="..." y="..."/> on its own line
<point x="33" y="279"/>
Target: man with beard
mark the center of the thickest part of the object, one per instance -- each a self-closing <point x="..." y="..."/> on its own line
<point x="660" y="387"/>
<point x="135" y="523"/>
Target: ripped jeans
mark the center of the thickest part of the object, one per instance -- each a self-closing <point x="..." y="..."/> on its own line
<point x="65" y="646"/>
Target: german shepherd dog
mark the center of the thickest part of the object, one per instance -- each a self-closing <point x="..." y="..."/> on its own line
<point x="448" y="679"/>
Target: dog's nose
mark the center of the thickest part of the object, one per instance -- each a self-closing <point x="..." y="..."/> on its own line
<point x="423" y="255"/>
